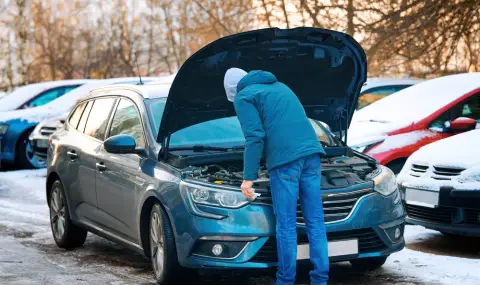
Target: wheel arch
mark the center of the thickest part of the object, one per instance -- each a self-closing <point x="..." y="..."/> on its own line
<point x="395" y="163"/>
<point x="20" y="136"/>
<point x="52" y="177"/>
<point x="144" y="223"/>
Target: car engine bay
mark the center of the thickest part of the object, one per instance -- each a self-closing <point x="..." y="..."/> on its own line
<point x="342" y="171"/>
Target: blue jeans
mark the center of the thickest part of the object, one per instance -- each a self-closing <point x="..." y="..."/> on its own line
<point x="299" y="179"/>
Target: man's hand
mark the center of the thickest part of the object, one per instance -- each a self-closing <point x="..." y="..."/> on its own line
<point x="247" y="189"/>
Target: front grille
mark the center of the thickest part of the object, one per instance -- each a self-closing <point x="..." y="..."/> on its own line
<point x="472" y="216"/>
<point x="418" y="169"/>
<point x="368" y="241"/>
<point x="47" y="131"/>
<point x="336" y="206"/>
<point x="440" y="214"/>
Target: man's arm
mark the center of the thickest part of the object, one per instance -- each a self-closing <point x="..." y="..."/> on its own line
<point x="254" y="134"/>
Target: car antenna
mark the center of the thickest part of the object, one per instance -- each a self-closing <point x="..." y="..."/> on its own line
<point x="138" y="70"/>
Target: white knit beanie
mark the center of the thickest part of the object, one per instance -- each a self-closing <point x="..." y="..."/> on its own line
<point x="230" y="81"/>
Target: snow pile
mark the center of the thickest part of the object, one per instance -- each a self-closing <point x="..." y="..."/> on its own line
<point x="401" y="140"/>
<point x="437" y="269"/>
<point x="417" y="102"/>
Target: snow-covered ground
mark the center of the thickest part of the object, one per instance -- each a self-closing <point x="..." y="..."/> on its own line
<point x="28" y="254"/>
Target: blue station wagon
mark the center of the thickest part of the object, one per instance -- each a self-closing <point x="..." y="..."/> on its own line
<point x="158" y="167"/>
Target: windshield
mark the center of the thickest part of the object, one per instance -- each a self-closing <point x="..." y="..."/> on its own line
<point x="224" y="132"/>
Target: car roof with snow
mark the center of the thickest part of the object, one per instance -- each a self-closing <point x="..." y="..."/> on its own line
<point x="22" y="94"/>
<point x="154" y="89"/>
<point x="420" y="100"/>
<point x="65" y="103"/>
<point x="374" y="82"/>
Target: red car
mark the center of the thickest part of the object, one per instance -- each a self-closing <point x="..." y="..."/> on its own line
<point x="391" y="129"/>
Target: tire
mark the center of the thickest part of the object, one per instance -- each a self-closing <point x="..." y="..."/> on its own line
<point x="396" y="165"/>
<point x="163" y="252"/>
<point x="24" y="156"/>
<point x="65" y="233"/>
<point x="368" y="264"/>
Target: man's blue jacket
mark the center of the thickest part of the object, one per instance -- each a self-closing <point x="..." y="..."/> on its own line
<point x="273" y="121"/>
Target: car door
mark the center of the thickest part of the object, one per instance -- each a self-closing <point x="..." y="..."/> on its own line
<point x="121" y="179"/>
<point x="468" y="108"/>
<point x="92" y="128"/>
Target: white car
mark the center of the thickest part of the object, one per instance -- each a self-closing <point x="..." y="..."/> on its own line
<point x="440" y="184"/>
<point x="38" y="139"/>
<point x="38" y="94"/>
<point x="378" y="88"/>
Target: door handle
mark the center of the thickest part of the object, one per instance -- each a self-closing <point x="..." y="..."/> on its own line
<point x="72" y="154"/>
<point x="100" y="166"/>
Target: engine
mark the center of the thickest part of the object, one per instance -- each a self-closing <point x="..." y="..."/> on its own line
<point x="217" y="174"/>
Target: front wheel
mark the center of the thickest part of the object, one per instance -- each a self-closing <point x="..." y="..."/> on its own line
<point x="368" y="264"/>
<point x="163" y="253"/>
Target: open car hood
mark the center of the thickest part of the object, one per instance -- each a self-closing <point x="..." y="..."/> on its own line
<point x="325" y="69"/>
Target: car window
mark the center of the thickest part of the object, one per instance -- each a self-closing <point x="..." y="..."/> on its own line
<point x="372" y="95"/>
<point x="47" y="96"/>
<point x="469" y="108"/>
<point x="98" y="119"/>
<point x="75" y="117"/>
<point x="127" y="121"/>
<point x="83" y="120"/>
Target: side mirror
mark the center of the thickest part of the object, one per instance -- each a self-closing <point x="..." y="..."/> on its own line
<point x="463" y="124"/>
<point x="120" y="144"/>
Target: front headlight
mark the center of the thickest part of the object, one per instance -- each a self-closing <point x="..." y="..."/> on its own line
<point x="3" y="129"/>
<point x="385" y="182"/>
<point x="224" y="198"/>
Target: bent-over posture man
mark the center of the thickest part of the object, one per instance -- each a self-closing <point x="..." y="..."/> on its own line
<point x="274" y="122"/>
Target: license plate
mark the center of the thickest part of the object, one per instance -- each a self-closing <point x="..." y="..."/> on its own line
<point x="335" y="248"/>
<point x="422" y="198"/>
<point x="42" y="143"/>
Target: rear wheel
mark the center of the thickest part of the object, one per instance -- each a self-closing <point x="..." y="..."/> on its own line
<point x="163" y="253"/>
<point x="65" y="233"/>
<point x="25" y="158"/>
<point x="367" y="264"/>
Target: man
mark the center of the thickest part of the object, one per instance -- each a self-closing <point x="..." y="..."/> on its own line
<point x="274" y="122"/>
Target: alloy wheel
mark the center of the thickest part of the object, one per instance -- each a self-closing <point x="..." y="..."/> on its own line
<point x="57" y="213"/>
<point x="157" y="244"/>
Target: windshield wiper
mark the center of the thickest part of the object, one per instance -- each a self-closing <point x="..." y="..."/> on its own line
<point x="200" y="148"/>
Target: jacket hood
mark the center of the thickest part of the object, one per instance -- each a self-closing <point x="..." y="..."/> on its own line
<point x="325" y="69"/>
<point x="256" y="77"/>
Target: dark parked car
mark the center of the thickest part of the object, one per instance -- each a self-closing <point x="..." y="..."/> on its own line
<point x="158" y="167"/>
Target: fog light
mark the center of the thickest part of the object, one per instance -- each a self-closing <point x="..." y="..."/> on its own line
<point x="217" y="250"/>
<point x="398" y="233"/>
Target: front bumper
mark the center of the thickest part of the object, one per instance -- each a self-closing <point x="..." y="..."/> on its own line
<point x="458" y="212"/>
<point x="40" y="145"/>
<point x="373" y="216"/>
